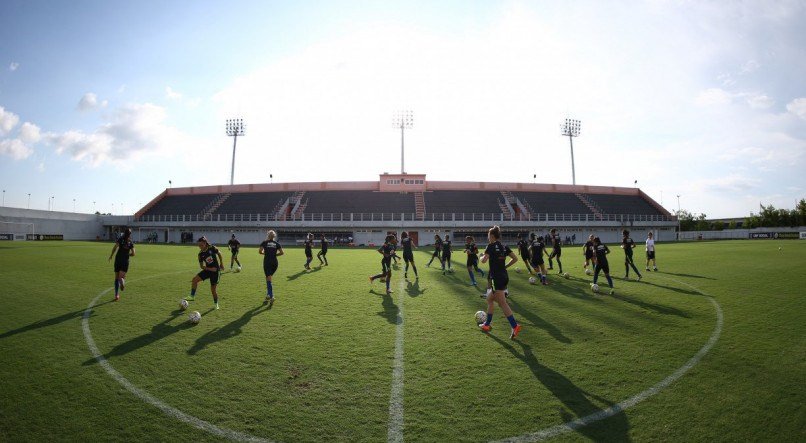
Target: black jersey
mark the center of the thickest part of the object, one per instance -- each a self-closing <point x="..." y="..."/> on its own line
<point x="523" y="247"/>
<point x="588" y="247"/>
<point x="124" y="248"/>
<point x="270" y="249"/>
<point x="324" y="245"/>
<point x="627" y="244"/>
<point x="387" y="249"/>
<point x="234" y="245"/>
<point x="308" y="246"/>
<point x="438" y="246"/>
<point x="556" y="242"/>
<point x="601" y="252"/>
<point x="406" y="242"/>
<point x="471" y="249"/>
<point x="209" y="257"/>
<point x="537" y="247"/>
<point x="446" y="247"/>
<point x="498" y="254"/>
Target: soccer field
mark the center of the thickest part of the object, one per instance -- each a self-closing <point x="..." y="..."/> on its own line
<point x="712" y="347"/>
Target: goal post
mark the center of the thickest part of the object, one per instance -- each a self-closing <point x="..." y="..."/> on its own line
<point x="16" y="230"/>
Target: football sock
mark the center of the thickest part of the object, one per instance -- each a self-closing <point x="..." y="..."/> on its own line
<point x="512" y="321"/>
<point x="415" y="269"/>
<point x="388" y="280"/>
<point x="269" y="289"/>
<point x="471" y="275"/>
<point x="215" y="299"/>
<point x="489" y="318"/>
<point x="117" y="286"/>
<point x="192" y="292"/>
<point x="609" y="280"/>
<point x="559" y="263"/>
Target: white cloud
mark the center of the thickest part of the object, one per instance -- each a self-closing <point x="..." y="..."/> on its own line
<point x="13" y="66"/>
<point x="729" y="183"/>
<point x="759" y="101"/>
<point x="15" y="148"/>
<point x="29" y="133"/>
<point x="8" y="120"/>
<point x="713" y="96"/>
<point x="796" y="106"/>
<point x="90" y="101"/>
<point x="749" y="66"/>
<point x="170" y="94"/>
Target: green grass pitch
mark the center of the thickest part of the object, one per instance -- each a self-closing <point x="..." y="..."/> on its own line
<point x="318" y="366"/>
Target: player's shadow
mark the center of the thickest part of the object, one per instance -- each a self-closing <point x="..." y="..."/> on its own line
<point x="575" y="399"/>
<point x="304" y="272"/>
<point x="158" y="332"/>
<point x="672" y="288"/>
<point x="49" y="322"/>
<point x="660" y="309"/>
<point x="539" y="322"/>
<point x="390" y="310"/>
<point x="413" y="288"/>
<point x="232" y="329"/>
<point x="682" y="275"/>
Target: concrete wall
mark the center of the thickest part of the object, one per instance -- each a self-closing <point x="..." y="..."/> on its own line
<point x="72" y="225"/>
<point x="733" y="234"/>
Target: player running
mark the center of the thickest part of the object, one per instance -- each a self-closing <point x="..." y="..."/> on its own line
<point x="628" y="244"/>
<point x="497" y="254"/>
<point x="122" y="250"/>
<point x="600" y="251"/>
<point x="536" y="250"/>
<point x="587" y="251"/>
<point x="234" y="246"/>
<point x="556" y="251"/>
<point x="437" y="250"/>
<point x="210" y="263"/>
<point x="270" y="250"/>
<point x="446" y="255"/>
<point x="308" y="251"/>
<point x="395" y="257"/>
<point x="650" y="251"/>
<point x="408" y="255"/>
<point x="386" y="262"/>
<point x="472" y="252"/>
<point x="523" y="249"/>
<point x="322" y="254"/>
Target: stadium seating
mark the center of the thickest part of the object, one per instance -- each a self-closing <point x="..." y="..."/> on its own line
<point x="253" y="203"/>
<point x="623" y="204"/>
<point x="181" y="204"/>
<point x="324" y="202"/>
<point x="553" y="203"/>
<point x="462" y="202"/>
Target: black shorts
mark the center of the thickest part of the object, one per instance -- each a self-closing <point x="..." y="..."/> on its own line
<point x="309" y="254"/>
<point x="588" y="255"/>
<point x="386" y="265"/>
<point x="525" y="258"/>
<point x="235" y="253"/>
<point x="604" y="267"/>
<point x="408" y="256"/>
<point x="436" y="253"/>
<point x="472" y="260"/>
<point x="212" y="275"/>
<point x="322" y="252"/>
<point x="500" y="281"/>
<point x="556" y="253"/>
<point x="446" y="257"/>
<point x="628" y="258"/>
<point x="650" y="255"/>
<point x="270" y="267"/>
<point x="121" y="265"/>
<point x="537" y="261"/>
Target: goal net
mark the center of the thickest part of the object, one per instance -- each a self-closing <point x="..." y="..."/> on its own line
<point x="16" y="230"/>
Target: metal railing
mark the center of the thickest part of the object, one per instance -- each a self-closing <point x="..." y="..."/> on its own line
<point x="406" y="216"/>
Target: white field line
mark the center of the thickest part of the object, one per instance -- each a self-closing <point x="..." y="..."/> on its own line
<point x="638" y="398"/>
<point x="395" y="432"/>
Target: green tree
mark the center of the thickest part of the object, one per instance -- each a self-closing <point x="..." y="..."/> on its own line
<point x="732" y="224"/>
<point x="686" y="220"/>
<point x="718" y="225"/>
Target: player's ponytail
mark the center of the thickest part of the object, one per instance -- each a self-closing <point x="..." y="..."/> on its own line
<point x="127" y="233"/>
<point x="271" y="235"/>
<point x="495" y="232"/>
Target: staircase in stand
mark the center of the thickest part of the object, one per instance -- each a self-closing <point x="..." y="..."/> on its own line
<point x="208" y="211"/>
<point x="419" y="205"/>
<point x="585" y="199"/>
<point x="506" y="205"/>
<point x="299" y="205"/>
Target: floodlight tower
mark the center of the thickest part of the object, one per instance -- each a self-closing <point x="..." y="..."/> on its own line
<point x="235" y="127"/>
<point x="403" y="120"/>
<point x="571" y="129"/>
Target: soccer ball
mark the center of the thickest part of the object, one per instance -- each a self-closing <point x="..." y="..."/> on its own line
<point x="532" y="280"/>
<point x="518" y="270"/>
<point x="588" y="272"/>
<point x="595" y="287"/>
<point x="236" y="270"/>
<point x="566" y="275"/>
<point x="183" y="304"/>
<point x="481" y="317"/>
<point x="194" y="317"/>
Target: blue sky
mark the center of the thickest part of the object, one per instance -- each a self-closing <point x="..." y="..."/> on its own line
<point x="106" y="101"/>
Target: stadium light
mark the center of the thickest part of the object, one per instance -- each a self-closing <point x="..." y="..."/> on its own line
<point x="403" y="120"/>
<point x="74" y="205"/>
<point x="570" y="128"/>
<point x="235" y="128"/>
<point x="29" y="200"/>
<point x="4" y="198"/>
<point x="678" y="217"/>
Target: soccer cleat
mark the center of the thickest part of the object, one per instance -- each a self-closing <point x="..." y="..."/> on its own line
<point x="647" y="269"/>
<point x="639" y="278"/>
<point x="371" y="280"/>
<point x="216" y="306"/>
<point x="389" y="291"/>
<point x="473" y="283"/>
<point x="656" y="270"/>
<point x="485" y="327"/>
<point x="190" y="298"/>
<point x="612" y="291"/>
<point x="271" y="302"/>
<point x="117" y="297"/>
<point x="515" y="331"/>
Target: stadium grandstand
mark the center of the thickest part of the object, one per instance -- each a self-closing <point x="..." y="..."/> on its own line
<point x="362" y="213"/>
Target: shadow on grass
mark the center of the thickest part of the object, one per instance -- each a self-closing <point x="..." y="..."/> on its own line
<point x="158" y="332"/>
<point x="390" y="310"/>
<point x="671" y="288"/>
<point x="660" y="309"/>
<point x="575" y="399"/>
<point x="49" y="322"/>
<point x="413" y="288"/>
<point x="304" y="272"/>
<point x="539" y="322"/>
<point x="232" y="329"/>
<point x="683" y="275"/>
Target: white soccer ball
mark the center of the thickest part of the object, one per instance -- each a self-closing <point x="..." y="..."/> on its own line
<point x="595" y="287"/>
<point x="183" y="304"/>
<point x="194" y="317"/>
<point x="567" y="275"/>
<point x="236" y="270"/>
<point x="532" y="280"/>
<point x="481" y="317"/>
<point x="588" y="272"/>
<point x="518" y="270"/>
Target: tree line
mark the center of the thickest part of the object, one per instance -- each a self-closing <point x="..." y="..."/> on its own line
<point x="767" y="217"/>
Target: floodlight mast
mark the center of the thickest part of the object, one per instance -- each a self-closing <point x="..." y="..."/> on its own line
<point x="403" y="120"/>
<point x="235" y="127"/>
<point x="571" y="129"/>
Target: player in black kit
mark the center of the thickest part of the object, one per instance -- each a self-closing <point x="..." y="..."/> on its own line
<point x="408" y="255"/>
<point x="210" y="263"/>
<point x="497" y="255"/>
<point x="536" y="250"/>
<point x="556" y="251"/>
<point x="472" y="259"/>
<point x="523" y="249"/>
<point x="446" y="254"/>
<point x="628" y="244"/>
<point x="322" y="255"/>
<point x="234" y="247"/>
<point x="125" y="249"/>
<point x="600" y="251"/>
<point x="308" y="250"/>
<point x="270" y="250"/>
<point x="386" y="262"/>
<point x="587" y="251"/>
<point x="437" y="250"/>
